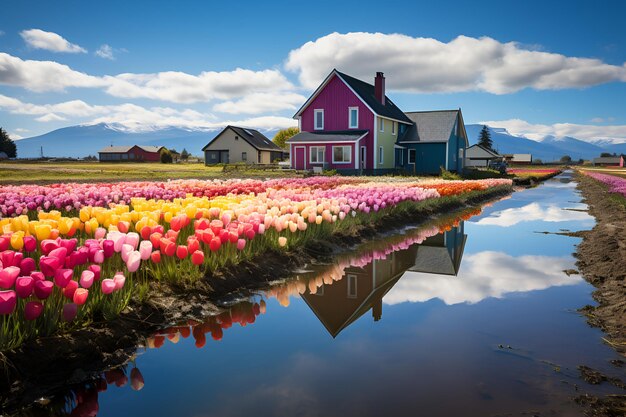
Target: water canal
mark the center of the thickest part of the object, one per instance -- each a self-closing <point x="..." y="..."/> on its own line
<point x="471" y="316"/>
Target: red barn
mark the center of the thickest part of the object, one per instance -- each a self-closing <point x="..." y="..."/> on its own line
<point x="134" y="153"/>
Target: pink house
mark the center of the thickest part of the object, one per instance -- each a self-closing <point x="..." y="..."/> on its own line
<point x="348" y="125"/>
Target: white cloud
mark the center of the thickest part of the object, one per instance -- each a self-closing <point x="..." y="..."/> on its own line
<point x="463" y="64"/>
<point x="105" y="51"/>
<point x="261" y="103"/>
<point x="21" y="130"/>
<point x="50" y="117"/>
<point x="518" y="127"/>
<point x="42" y="76"/>
<point x="15" y="136"/>
<point x="482" y="275"/>
<point x="50" y="41"/>
<point x="533" y="212"/>
<point x="1" y="33"/>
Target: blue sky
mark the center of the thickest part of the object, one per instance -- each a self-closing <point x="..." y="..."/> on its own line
<point x="531" y="67"/>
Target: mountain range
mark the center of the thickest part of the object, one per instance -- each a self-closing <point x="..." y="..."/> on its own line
<point x="83" y="140"/>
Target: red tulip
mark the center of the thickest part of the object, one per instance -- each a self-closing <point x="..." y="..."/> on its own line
<point x="70" y="289"/>
<point x="197" y="258"/>
<point x="8" y="275"/>
<point x="80" y="296"/>
<point x="193" y="244"/>
<point x="155" y="238"/>
<point x="123" y="226"/>
<point x="32" y="310"/>
<point x="62" y="277"/>
<point x="172" y="235"/>
<point x="4" y="243"/>
<point x="156" y="256"/>
<point x="30" y="243"/>
<point x="8" y="301"/>
<point x="215" y="244"/>
<point x="108" y="286"/>
<point x="43" y="289"/>
<point x="170" y="249"/>
<point x="224" y="236"/>
<point x="70" y="310"/>
<point x="145" y="232"/>
<point x="24" y="286"/>
<point x="182" y="252"/>
<point x="250" y="234"/>
<point x="136" y="379"/>
<point x="233" y="236"/>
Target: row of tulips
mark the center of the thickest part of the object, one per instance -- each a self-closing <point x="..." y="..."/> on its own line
<point x="533" y="172"/>
<point x="615" y="184"/>
<point x="50" y="264"/>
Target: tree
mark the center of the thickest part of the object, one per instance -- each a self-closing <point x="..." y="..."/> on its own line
<point x="166" y="156"/>
<point x="537" y="161"/>
<point x="281" y="137"/>
<point x="606" y="154"/>
<point x="484" y="138"/>
<point x="7" y="145"/>
<point x="566" y="159"/>
<point x="184" y="155"/>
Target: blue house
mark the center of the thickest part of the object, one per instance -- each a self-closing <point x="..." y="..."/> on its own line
<point x="435" y="139"/>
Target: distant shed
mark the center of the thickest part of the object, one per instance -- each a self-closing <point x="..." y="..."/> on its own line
<point x="135" y="153"/>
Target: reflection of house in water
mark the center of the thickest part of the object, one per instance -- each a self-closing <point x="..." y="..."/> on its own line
<point x="362" y="288"/>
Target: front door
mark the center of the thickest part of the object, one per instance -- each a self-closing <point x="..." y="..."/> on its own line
<point x="224" y="157"/>
<point x="299" y="158"/>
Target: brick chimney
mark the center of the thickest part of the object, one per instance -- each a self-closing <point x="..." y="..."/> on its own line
<point x="379" y="87"/>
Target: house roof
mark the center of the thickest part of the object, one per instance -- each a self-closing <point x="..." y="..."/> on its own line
<point x="487" y="151"/>
<point x="255" y="138"/>
<point x="124" y="149"/>
<point x="366" y="93"/>
<point x="328" y="136"/>
<point x="430" y="126"/>
<point x="607" y="160"/>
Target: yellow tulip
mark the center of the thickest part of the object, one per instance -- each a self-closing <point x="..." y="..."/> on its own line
<point x="17" y="240"/>
<point x="42" y="231"/>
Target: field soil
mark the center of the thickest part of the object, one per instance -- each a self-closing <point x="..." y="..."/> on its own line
<point x="46" y="366"/>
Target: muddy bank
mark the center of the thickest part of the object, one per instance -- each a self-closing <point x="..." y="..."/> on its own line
<point x="533" y="181"/>
<point x="45" y="367"/>
<point x="602" y="260"/>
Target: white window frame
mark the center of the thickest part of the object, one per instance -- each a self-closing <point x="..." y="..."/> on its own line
<point x="316" y="149"/>
<point x="414" y="156"/>
<point x="350" y="125"/>
<point x="352" y="286"/>
<point x="344" y="154"/>
<point x="315" y="126"/>
<point x="393" y="128"/>
<point x="381" y="124"/>
<point x="381" y="155"/>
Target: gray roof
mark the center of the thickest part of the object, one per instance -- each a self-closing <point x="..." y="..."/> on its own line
<point x="607" y="160"/>
<point x="255" y="138"/>
<point x="329" y="136"/>
<point x="430" y="126"/>
<point x="124" y="149"/>
<point x="495" y="154"/>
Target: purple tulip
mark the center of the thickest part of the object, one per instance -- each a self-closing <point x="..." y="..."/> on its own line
<point x="70" y="310"/>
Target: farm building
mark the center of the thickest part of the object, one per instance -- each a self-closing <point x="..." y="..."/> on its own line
<point x="135" y="153"/>
<point x="518" y="158"/>
<point x="353" y="127"/>
<point x="609" y="161"/>
<point x="477" y="156"/>
<point x="239" y="144"/>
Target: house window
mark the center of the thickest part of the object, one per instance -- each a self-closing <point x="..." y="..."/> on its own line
<point x="401" y="157"/>
<point x="236" y="137"/>
<point x="393" y="128"/>
<point x="411" y="156"/>
<point x="380" y="155"/>
<point x="244" y="156"/>
<point x="342" y="154"/>
<point x="352" y="293"/>
<point x="353" y="116"/>
<point x="381" y="124"/>
<point x="259" y="157"/>
<point x="316" y="154"/>
<point x="131" y="155"/>
<point x="319" y="119"/>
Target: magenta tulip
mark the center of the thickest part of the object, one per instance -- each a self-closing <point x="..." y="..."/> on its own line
<point x="96" y="271"/>
<point x="8" y="276"/>
<point x="49" y="266"/>
<point x="24" y="286"/>
<point x="108" y="286"/>
<point x="27" y="266"/>
<point x="30" y="243"/>
<point x="8" y="258"/>
<point x="32" y="310"/>
<point x="108" y="247"/>
<point x="70" y="289"/>
<point x="37" y="276"/>
<point x="62" y="277"/>
<point x="80" y="296"/>
<point x="43" y="289"/>
<point x="8" y="301"/>
<point x="59" y="253"/>
<point x="70" y="310"/>
<point x="5" y="241"/>
<point x="68" y="244"/>
<point x="48" y="245"/>
<point x="86" y="278"/>
<point x="119" y="281"/>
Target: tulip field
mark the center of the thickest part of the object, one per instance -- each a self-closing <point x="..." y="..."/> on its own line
<point x="539" y="173"/>
<point x="74" y="253"/>
<point x="616" y="184"/>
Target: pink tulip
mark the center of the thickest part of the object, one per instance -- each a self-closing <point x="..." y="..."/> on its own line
<point x="8" y="276"/>
<point x="43" y="289"/>
<point x="5" y="241"/>
<point x="8" y="301"/>
<point x="241" y="243"/>
<point x="261" y="229"/>
<point x="62" y="277"/>
<point x="133" y="261"/>
<point x="32" y="310"/>
<point x="119" y="281"/>
<point x="48" y="245"/>
<point x="96" y="271"/>
<point x="100" y="233"/>
<point x="86" y="278"/>
<point x="145" y="249"/>
<point x="24" y="286"/>
<point x="70" y="310"/>
<point x="98" y="257"/>
<point x="118" y="240"/>
<point x="132" y="239"/>
<point x="70" y="289"/>
<point x="80" y="296"/>
<point x="49" y="266"/>
<point x="30" y="243"/>
<point x="37" y="276"/>
<point x="126" y="250"/>
<point x="108" y="286"/>
<point x="136" y="379"/>
<point x="59" y="253"/>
